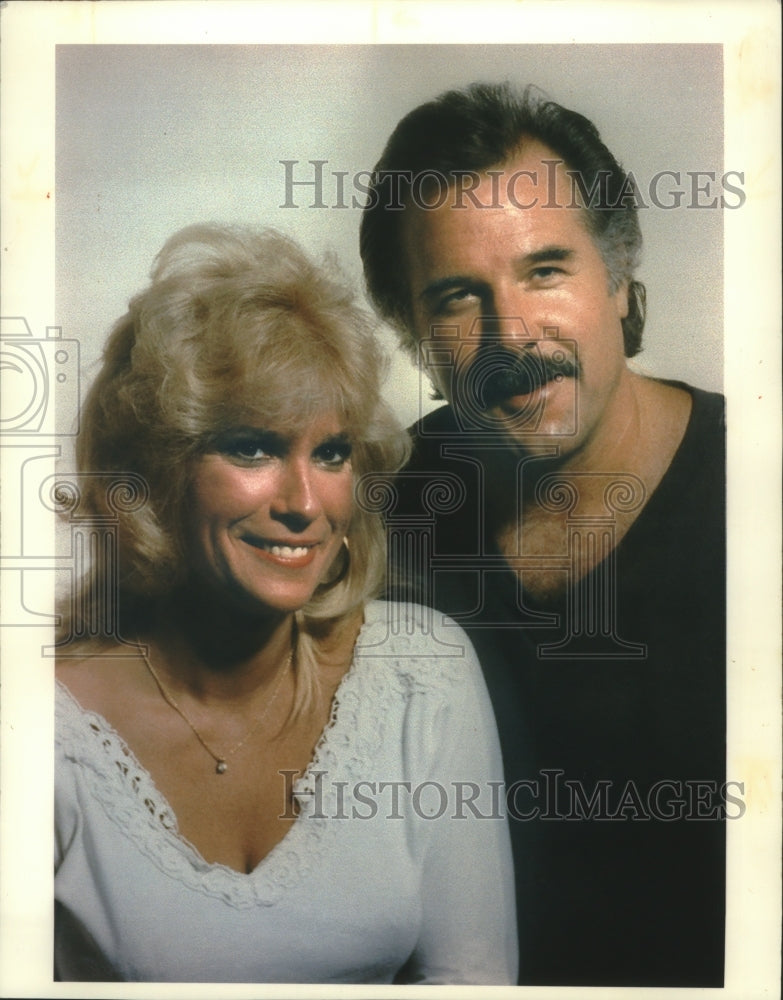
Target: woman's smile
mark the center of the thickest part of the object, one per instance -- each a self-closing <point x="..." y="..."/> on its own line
<point x="295" y="555"/>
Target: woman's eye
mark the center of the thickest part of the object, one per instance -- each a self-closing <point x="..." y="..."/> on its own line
<point x="246" y="447"/>
<point x="250" y="453"/>
<point x="333" y="453"/>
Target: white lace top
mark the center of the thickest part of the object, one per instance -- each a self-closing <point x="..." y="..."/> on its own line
<point x="398" y="856"/>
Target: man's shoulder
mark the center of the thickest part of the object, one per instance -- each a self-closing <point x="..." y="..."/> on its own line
<point x="706" y="403"/>
<point x="428" y="434"/>
<point x="433" y="463"/>
<point x="437" y="422"/>
<point x="707" y="422"/>
<point x="689" y="501"/>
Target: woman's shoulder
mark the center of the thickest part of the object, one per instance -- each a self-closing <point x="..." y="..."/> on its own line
<point x="421" y="647"/>
<point x="102" y="679"/>
<point x="416" y="669"/>
<point x="418" y="621"/>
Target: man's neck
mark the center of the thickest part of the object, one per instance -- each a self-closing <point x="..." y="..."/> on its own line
<point x="535" y="500"/>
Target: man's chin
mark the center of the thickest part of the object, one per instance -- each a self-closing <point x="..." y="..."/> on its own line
<point x="535" y="416"/>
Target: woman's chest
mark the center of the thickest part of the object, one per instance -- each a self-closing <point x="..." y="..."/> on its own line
<point x="338" y="898"/>
<point x="233" y="815"/>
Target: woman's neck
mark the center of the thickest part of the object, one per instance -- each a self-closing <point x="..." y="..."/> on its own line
<point x="215" y="650"/>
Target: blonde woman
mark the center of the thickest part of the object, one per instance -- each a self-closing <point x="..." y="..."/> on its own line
<point x="269" y="783"/>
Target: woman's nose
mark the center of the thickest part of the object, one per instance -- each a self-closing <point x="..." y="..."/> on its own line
<point x="295" y="502"/>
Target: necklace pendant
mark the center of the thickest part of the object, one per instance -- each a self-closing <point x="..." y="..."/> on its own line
<point x="221" y="767"/>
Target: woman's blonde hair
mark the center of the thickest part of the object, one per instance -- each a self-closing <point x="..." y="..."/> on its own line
<point x="238" y="326"/>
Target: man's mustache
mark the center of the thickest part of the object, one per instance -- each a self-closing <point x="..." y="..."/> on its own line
<point x="504" y="374"/>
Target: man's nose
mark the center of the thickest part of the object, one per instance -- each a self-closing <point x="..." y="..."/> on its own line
<point x="295" y="502"/>
<point x="506" y="330"/>
<point x="505" y="321"/>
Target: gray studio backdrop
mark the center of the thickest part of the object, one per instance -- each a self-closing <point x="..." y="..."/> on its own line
<point x="154" y="137"/>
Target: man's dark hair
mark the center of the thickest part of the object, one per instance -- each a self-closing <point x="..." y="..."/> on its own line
<point x="479" y="128"/>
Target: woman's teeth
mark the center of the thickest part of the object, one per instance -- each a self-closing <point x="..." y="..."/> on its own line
<point x="287" y="552"/>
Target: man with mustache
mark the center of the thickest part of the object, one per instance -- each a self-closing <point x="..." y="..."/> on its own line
<point x="570" y="513"/>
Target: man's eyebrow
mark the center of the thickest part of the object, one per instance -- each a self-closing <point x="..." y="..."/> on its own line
<point x="547" y="253"/>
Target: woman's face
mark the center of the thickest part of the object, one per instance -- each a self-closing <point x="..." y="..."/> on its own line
<point x="269" y="512"/>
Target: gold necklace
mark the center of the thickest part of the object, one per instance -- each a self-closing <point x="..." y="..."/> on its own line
<point x="221" y="760"/>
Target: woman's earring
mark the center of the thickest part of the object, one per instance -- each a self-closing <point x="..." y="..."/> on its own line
<point x="340" y="566"/>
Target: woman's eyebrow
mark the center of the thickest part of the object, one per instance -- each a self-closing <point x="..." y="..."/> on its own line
<point x="339" y="438"/>
<point x="242" y="432"/>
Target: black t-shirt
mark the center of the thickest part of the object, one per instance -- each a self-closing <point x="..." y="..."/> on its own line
<point x="611" y="712"/>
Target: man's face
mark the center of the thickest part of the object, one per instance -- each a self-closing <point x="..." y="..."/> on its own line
<point x="519" y="296"/>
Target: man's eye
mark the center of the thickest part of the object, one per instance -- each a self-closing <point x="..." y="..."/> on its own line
<point x="460" y="298"/>
<point x="547" y="273"/>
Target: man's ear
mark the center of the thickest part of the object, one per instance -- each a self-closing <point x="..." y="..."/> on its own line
<point x="621" y="300"/>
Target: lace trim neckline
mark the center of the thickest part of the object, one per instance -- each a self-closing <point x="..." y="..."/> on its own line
<point x="147" y="819"/>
